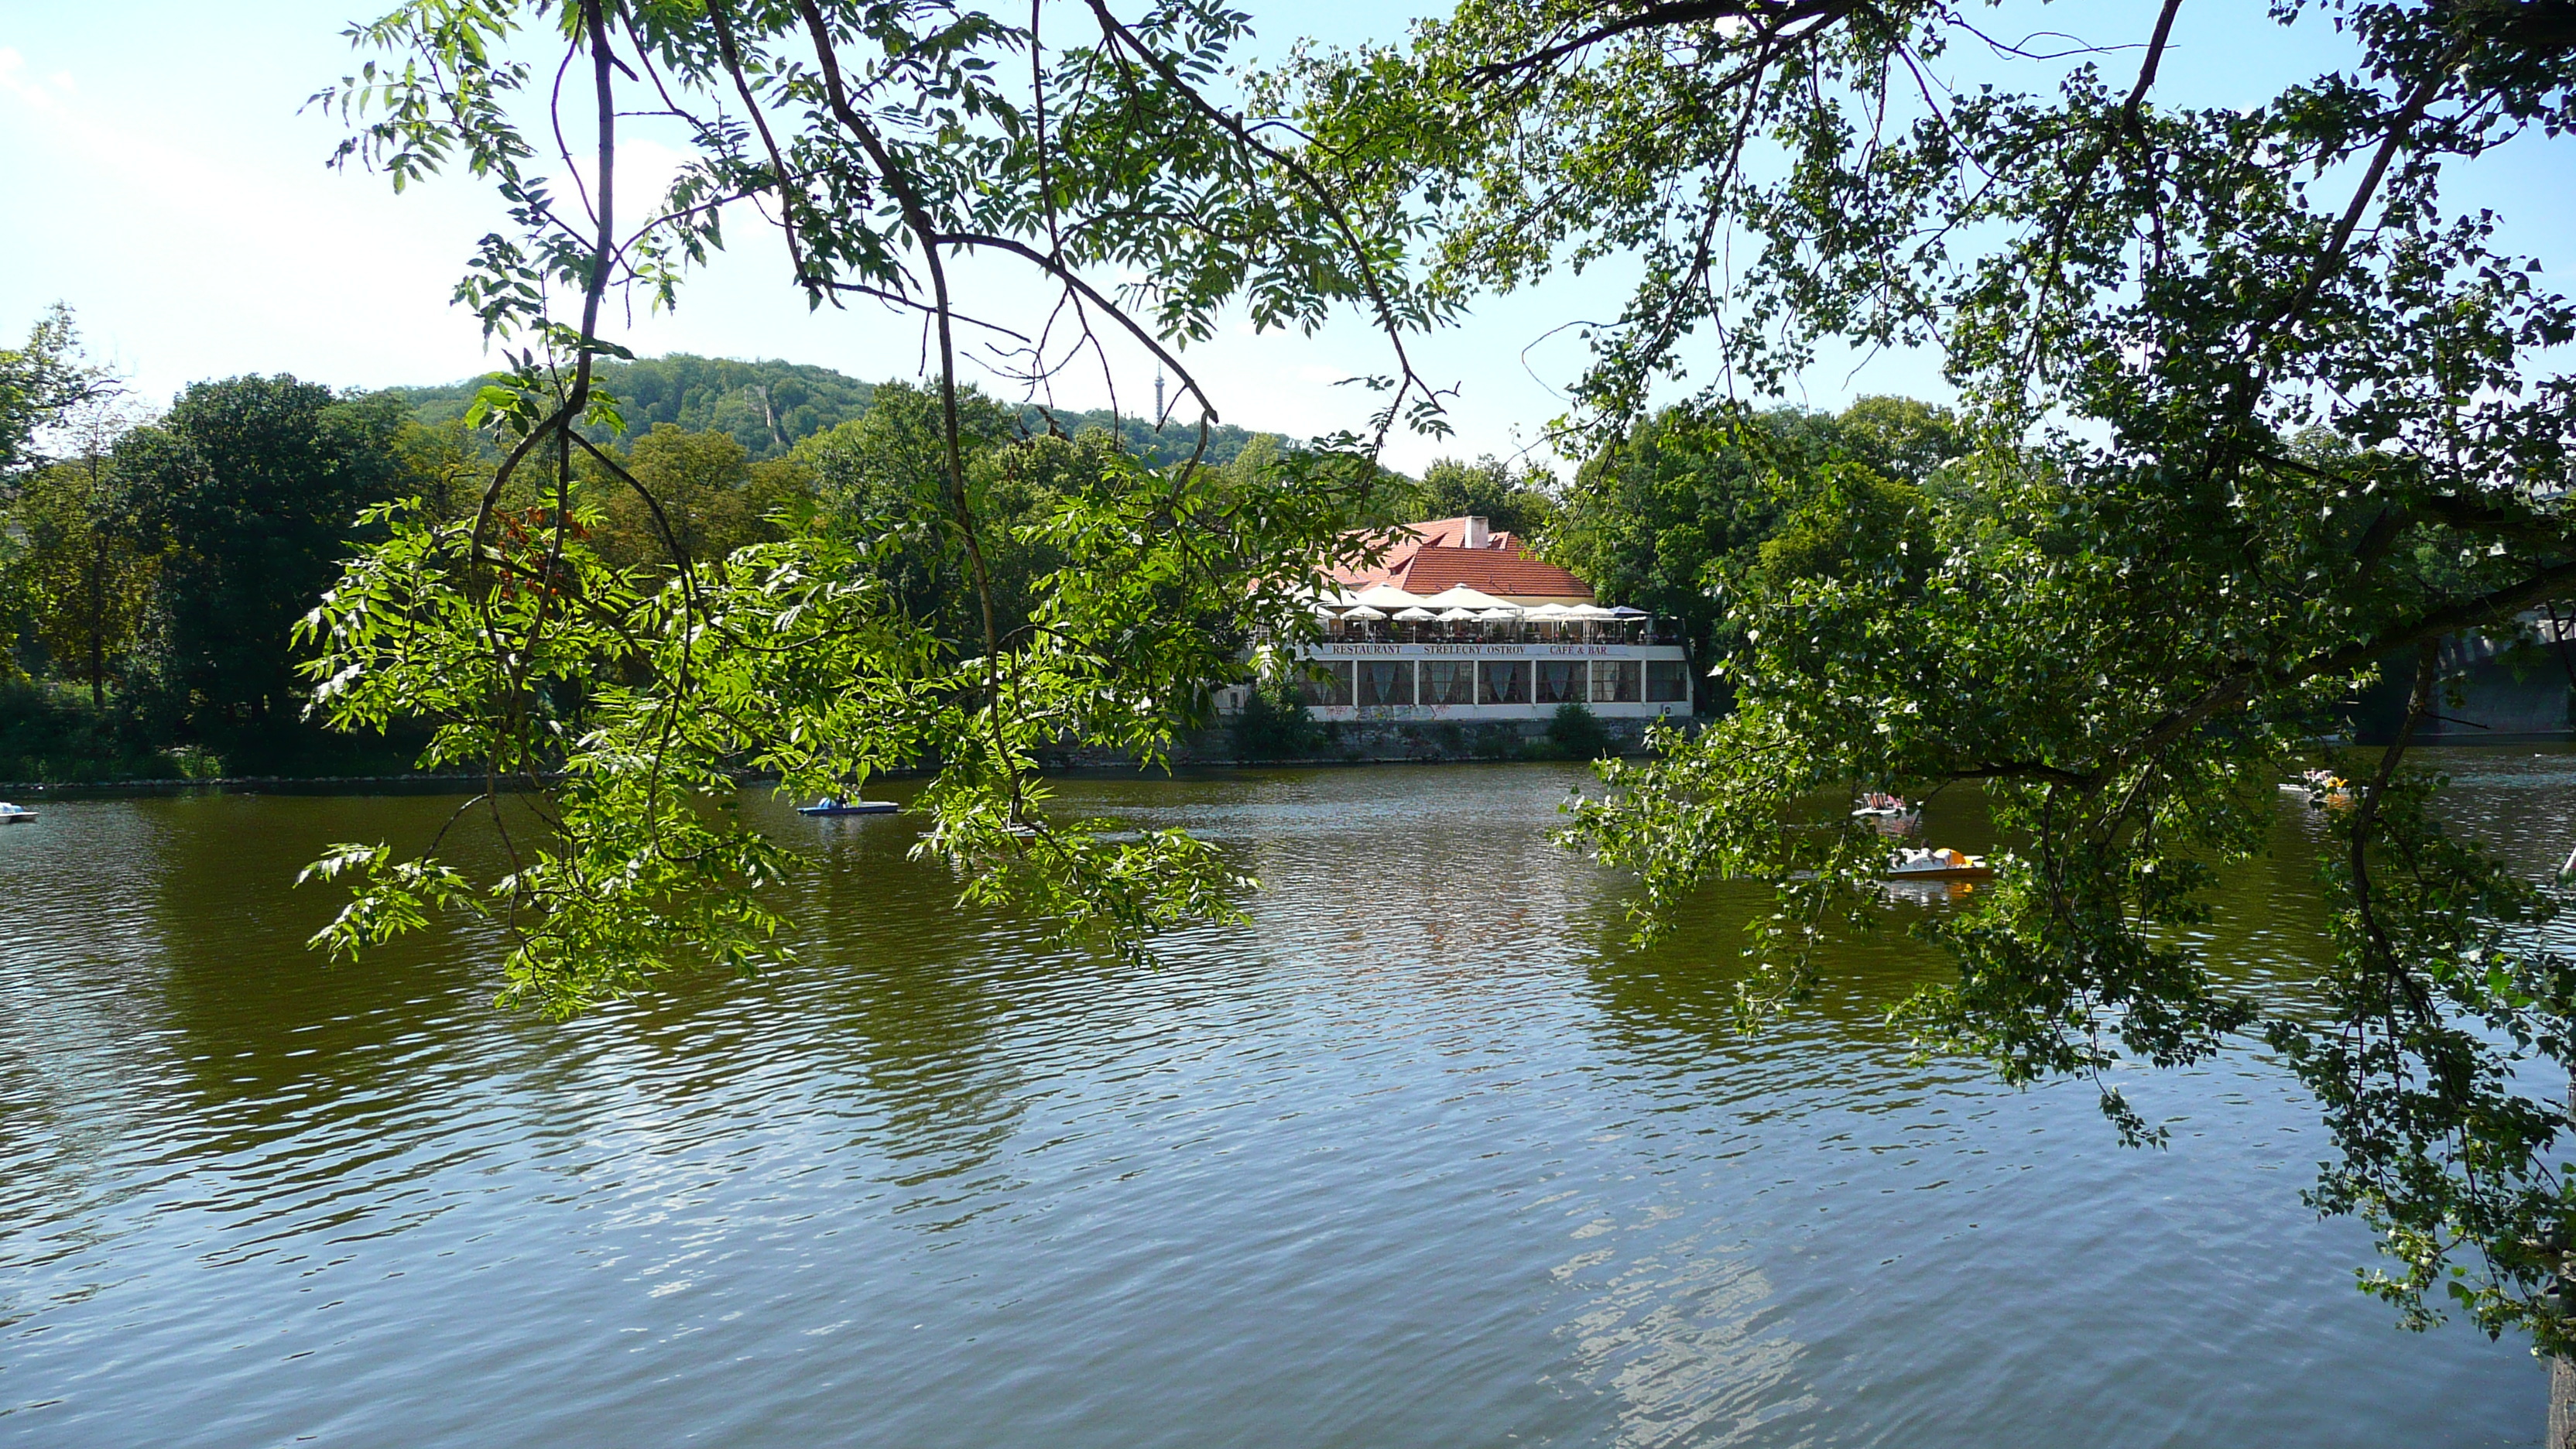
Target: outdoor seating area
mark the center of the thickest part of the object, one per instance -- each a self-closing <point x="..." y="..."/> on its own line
<point x="1638" y="630"/>
<point x="1383" y="614"/>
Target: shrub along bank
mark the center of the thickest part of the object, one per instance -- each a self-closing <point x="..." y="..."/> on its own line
<point x="52" y="733"/>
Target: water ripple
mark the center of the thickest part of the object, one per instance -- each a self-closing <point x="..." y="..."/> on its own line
<point x="1424" y="1155"/>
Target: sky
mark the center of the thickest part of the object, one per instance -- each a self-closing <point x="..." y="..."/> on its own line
<point x="166" y="180"/>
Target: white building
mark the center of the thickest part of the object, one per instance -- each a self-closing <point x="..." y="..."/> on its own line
<point x="1460" y="624"/>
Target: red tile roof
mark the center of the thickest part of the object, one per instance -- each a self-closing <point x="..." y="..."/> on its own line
<point x="1424" y="558"/>
<point x="1511" y="574"/>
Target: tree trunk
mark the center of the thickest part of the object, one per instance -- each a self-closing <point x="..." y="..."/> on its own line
<point x="2562" y="1404"/>
<point x="2562" y="1371"/>
<point x="98" y="594"/>
<point x="98" y="623"/>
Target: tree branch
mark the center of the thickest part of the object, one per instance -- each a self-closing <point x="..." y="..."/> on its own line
<point x="1770" y="19"/>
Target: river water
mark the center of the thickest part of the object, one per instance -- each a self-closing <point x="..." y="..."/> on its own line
<point x="1422" y="1157"/>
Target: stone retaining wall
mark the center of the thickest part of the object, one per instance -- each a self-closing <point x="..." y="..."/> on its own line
<point x="1374" y="743"/>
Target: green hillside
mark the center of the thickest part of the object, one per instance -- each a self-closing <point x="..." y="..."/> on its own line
<point x="768" y="406"/>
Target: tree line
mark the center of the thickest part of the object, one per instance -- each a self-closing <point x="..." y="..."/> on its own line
<point x="156" y="564"/>
<point x="769" y="407"/>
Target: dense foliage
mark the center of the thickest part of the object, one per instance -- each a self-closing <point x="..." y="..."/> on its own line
<point x="80" y="571"/>
<point x="246" y="490"/>
<point x="956" y="600"/>
<point x="1273" y="723"/>
<point x="2250" y="414"/>
<point x="1520" y="501"/>
<point x="158" y="565"/>
<point x="692" y="496"/>
<point x="765" y="407"/>
<point x="1671" y="514"/>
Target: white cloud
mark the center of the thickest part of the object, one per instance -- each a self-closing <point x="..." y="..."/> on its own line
<point x="44" y="93"/>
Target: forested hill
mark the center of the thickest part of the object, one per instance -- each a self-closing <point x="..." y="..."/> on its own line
<point x="1171" y="445"/>
<point x="768" y="406"/>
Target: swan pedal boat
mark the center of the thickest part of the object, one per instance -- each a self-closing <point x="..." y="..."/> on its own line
<point x="1937" y="865"/>
<point x="2334" y="789"/>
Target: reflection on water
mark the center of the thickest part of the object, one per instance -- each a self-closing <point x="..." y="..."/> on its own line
<point x="1421" y="1157"/>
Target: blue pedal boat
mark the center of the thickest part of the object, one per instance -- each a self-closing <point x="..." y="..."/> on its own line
<point x="830" y="806"/>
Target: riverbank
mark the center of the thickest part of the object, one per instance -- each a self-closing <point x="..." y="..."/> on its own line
<point x="53" y="735"/>
<point x="280" y="784"/>
<point x="1368" y="742"/>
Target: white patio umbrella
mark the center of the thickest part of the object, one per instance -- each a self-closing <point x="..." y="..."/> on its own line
<point x="1386" y="596"/>
<point x="1589" y="611"/>
<point x="1363" y="612"/>
<point x="1414" y="615"/>
<point x="1503" y="615"/>
<point x="1545" y="611"/>
<point x="1457" y="616"/>
<point x="1459" y="596"/>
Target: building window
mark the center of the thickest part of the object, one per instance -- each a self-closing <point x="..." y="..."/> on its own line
<point x="1666" y="683"/>
<point x="1327" y="682"/>
<point x="1560" y="681"/>
<point x="1503" y="682"/>
<point x="1385" y="681"/>
<point x="1614" y="681"/>
<point x="1448" y="681"/>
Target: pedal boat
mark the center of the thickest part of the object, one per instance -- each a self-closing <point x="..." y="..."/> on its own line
<point x="1941" y="864"/>
<point x="2324" y="785"/>
<point x="829" y="806"/>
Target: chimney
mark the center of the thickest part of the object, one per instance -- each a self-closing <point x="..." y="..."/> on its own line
<point x="1477" y="535"/>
